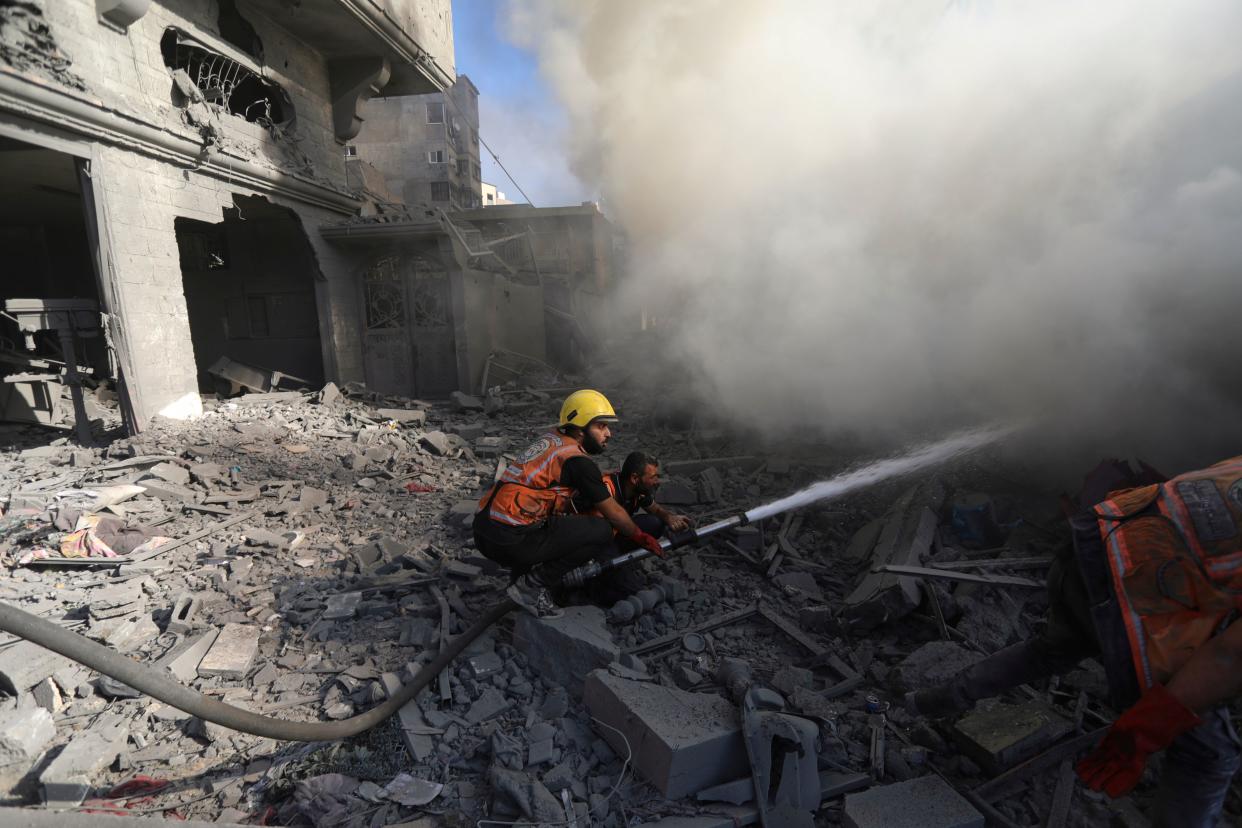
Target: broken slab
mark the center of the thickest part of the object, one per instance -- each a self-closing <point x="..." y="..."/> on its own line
<point x="926" y="802"/>
<point x="67" y="779"/>
<point x="563" y="650"/>
<point x="905" y="539"/>
<point x="183" y="658"/>
<point x="409" y="416"/>
<point x="935" y="663"/>
<point x="24" y="735"/>
<point x="232" y="653"/>
<point x="1004" y="735"/>
<point x="24" y="665"/>
<point x="680" y="742"/>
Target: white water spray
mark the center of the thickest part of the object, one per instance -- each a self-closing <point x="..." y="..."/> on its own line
<point x="928" y="455"/>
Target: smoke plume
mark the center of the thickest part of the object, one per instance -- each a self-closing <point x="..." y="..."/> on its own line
<point x="885" y="216"/>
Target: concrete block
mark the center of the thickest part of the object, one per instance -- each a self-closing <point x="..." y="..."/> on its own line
<point x="565" y="649"/>
<point x="410" y="416"/>
<point x="67" y="779"/>
<point x="24" y="665"/>
<point x="1002" y="736"/>
<point x="232" y="653"/>
<point x="936" y="662"/>
<point x="436" y="442"/>
<point x="184" y="657"/>
<point x="24" y="734"/>
<point x="926" y="802"/>
<point x="681" y="742"/>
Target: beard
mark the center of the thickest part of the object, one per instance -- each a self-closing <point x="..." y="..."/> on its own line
<point x="590" y="444"/>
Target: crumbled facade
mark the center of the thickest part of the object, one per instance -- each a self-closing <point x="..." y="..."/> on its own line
<point x="173" y="161"/>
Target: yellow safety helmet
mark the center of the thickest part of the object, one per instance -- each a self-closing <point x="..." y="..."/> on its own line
<point x="581" y="407"/>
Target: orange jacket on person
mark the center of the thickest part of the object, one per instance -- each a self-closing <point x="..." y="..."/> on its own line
<point x="1174" y="551"/>
<point x="530" y="490"/>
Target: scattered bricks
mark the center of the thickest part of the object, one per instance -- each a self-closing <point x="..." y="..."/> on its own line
<point x="24" y="665"/>
<point x="1006" y="734"/>
<point x="927" y="802"/>
<point x="67" y="779"/>
<point x="183" y="659"/>
<point x="906" y="540"/>
<point x="933" y="664"/>
<point x="680" y="742"/>
<point x="563" y="650"/>
<point x="24" y="735"/>
<point x="436" y="442"/>
<point x="466" y="402"/>
<point x="408" y="416"/>
<point x="185" y="607"/>
<point x="491" y="703"/>
<point x="342" y="605"/>
<point x="233" y="652"/>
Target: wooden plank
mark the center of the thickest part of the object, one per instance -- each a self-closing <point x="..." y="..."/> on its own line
<point x="199" y="535"/>
<point x="951" y="575"/>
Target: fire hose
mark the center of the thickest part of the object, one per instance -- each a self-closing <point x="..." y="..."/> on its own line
<point x="154" y="683"/>
<point x="159" y="686"/>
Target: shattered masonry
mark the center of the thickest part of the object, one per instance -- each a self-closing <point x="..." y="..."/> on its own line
<point x="327" y="556"/>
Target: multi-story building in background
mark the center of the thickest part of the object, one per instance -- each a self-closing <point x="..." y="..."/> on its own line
<point x="493" y="197"/>
<point x="426" y="146"/>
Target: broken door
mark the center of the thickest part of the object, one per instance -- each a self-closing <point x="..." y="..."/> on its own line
<point x="435" y="358"/>
<point x="386" y="341"/>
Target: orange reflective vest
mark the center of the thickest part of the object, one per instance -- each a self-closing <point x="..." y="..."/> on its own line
<point x="1174" y="551"/>
<point x="530" y="490"/>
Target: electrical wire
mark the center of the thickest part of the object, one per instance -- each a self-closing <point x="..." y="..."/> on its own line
<point x="449" y="97"/>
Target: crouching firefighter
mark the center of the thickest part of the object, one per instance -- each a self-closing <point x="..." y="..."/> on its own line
<point x="1154" y="589"/>
<point x="534" y="521"/>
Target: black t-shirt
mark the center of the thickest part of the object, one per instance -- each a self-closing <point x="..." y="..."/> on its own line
<point x="583" y="476"/>
<point x="638" y="501"/>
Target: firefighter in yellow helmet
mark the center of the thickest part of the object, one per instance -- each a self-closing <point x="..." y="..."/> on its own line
<point x="534" y="518"/>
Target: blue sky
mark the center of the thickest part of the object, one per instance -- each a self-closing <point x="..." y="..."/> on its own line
<point x="519" y="116"/>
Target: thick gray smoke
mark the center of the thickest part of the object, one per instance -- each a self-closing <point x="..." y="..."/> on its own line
<point x="883" y="215"/>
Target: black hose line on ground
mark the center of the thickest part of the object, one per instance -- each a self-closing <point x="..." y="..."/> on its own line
<point x="152" y="682"/>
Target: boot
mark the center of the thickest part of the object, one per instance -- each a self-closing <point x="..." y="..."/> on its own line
<point x="529" y="593"/>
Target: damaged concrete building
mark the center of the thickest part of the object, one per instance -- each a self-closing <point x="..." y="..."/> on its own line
<point x="171" y="161"/>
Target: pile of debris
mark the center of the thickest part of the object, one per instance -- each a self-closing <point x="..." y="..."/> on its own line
<point x="302" y="555"/>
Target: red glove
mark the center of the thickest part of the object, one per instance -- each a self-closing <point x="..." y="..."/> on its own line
<point x="649" y="543"/>
<point x="1151" y="725"/>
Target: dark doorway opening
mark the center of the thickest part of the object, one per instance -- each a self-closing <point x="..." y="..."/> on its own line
<point x="250" y="291"/>
<point x="47" y="257"/>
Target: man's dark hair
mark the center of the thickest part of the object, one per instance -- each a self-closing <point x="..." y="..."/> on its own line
<point x="636" y="462"/>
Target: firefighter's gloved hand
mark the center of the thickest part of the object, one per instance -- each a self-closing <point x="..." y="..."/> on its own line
<point x="1151" y="725"/>
<point x="649" y="543"/>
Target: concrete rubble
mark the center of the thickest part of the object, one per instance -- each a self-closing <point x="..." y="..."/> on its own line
<point x="311" y="584"/>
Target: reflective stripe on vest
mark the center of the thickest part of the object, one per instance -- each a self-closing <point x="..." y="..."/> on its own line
<point x="1175" y="555"/>
<point x="529" y="490"/>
